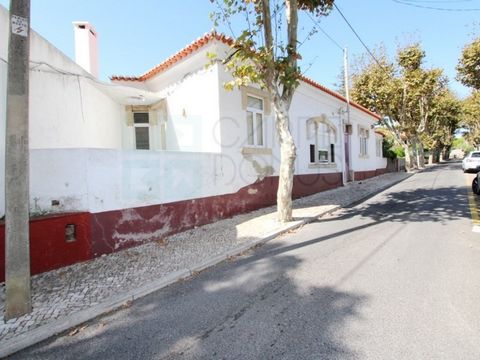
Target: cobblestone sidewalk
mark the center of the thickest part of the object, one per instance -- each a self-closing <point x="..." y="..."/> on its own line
<point x="60" y="294"/>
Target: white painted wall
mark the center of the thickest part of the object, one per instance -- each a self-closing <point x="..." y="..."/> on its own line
<point x="371" y="162"/>
<point x="77" y="132"/>
<point x="233" y="136"/>
<point x="191" y="96"/>
<point x="99" y="180"/>
<point x="309" y="102"/>
<point x="3" y="100"/>
<point x="3" y="116"/>
<point x="192" y="112"/>
<point x="67" y="110"/>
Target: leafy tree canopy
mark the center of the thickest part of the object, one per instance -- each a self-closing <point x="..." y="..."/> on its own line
<point x="468" y="68"/>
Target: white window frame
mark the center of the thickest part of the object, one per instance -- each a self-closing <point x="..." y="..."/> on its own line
<point x="363" y="135"/>
<point x="255" y="112"/>
<point x="379" y="146"/>
<point x="330" y="132"/>
<point x="141" y="125"/>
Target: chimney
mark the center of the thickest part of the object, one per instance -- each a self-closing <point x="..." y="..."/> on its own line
<point x="86" y="46"/>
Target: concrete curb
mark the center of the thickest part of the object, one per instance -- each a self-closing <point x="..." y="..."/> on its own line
<point x="46" y="331"/>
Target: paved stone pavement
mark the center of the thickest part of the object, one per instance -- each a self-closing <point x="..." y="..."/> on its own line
<point x="60" y="294"/>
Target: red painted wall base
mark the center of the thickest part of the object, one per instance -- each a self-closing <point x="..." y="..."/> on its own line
<point x="363" y="175"/>
<point x="49" y="249"/>
<point x="110" y="231"/>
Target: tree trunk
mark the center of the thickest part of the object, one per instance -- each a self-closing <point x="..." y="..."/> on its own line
<point x="420" y="153"/>
<point x="408" y="157"/>
<point x="447" y="152"/>
<point x="430" y="158"/>
<point x="287" y="162"/>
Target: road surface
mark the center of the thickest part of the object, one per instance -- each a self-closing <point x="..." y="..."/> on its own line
<point x="396" y="277"/>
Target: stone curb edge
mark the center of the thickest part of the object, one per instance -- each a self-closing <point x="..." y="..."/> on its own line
<point x="46" y="331"/>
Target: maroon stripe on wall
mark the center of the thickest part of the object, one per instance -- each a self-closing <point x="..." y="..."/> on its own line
<point x="106" y="232"/>
<point x="49" y="249"/>
<point x="120" y="229"/>
<point x="363" y="175"/>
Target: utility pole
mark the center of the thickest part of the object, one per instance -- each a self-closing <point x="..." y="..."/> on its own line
<point x="348" y="123"/>
<point x="17" y="244"/>
<point x="347" y="89"/>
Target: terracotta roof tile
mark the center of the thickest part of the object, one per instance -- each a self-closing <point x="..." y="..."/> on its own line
<point x="338" y="96"/>
<point x="205" y="39"/>
<point x="200" y="42"/>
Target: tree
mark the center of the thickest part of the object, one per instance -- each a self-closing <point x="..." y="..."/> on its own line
<point x="462" y="144"/>
<point x="471" y="119"/>
<point x="445" y="117"/>
<point x="468" y="73"/>
<point x="376" y="85"/>
<point x="421" y="90"/>
<point x="266" y="53"/>
<point x="404" y="93"/>
<point x="468" y="68"/>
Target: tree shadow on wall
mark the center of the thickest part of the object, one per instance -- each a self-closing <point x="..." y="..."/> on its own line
<point x="251" y="308"/>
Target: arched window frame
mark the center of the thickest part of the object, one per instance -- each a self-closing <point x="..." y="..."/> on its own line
<point x="321" y="144"/>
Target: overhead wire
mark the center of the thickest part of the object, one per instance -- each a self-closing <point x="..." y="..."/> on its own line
<point x="324" y="32"/>
<point x="418" y="4"/>
<point x="360" y="39"/>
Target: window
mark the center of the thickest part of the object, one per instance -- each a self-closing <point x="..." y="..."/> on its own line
<point x="379" y="145"/>
<point x="254" y="121"/>
<point x="141" y="124"/>
<point x="363" y="134"/>
<point x="322" y="137"/>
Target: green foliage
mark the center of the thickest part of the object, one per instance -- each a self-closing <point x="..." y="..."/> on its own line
<point x="470" y="119"/>
<point x="415" y="102"/>
<point x="265" y="53"/>
<point x="462" y="144"/>
<point x="468" y="68"/>
<point x="317" y="7"/>
<point x="388" y="147"/>
<point x="411" y="57"/>
<point x="375" y="86"/>
<point x="399" y="151"/>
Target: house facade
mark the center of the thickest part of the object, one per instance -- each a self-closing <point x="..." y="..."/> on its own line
<point x="113" y="165"/>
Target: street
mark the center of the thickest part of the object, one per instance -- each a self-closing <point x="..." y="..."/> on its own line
<point x="395" y="277"/>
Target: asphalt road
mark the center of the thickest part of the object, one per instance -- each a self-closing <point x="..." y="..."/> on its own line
<point x="396" y="277"/>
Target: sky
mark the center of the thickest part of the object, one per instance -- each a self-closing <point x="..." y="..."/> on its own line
<point x="134" y="36"/>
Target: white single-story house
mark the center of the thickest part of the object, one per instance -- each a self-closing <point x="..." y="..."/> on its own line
<point x="146" y="156"/>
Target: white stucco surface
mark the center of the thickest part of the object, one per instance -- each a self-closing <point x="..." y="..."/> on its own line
<point x="67" y="108"/>
<point x="82" y="142"/>
<point x="98" y="180"/>
<point x="3" y="116"/>
<point x="192" y="112"/>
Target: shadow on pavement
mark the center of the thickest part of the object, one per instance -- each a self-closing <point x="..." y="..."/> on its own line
<point x="252" y="308"/>
<point x="247" y="309"/>
<point x="420" y="205"/>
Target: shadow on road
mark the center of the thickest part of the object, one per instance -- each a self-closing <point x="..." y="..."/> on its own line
<point x="420" y="205"/>
<point x="253" y="307"/>
<point x="250" y="308"/>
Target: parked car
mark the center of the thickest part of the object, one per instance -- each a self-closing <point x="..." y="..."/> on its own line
<point x="475" y="182"/>
<point x="471" y="161"/>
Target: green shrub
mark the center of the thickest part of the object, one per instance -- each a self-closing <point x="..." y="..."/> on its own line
<point x="390" y="150"/>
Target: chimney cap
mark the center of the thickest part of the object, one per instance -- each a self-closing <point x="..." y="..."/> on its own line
<point x="84" y="25"/>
